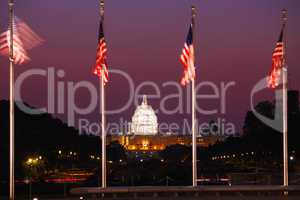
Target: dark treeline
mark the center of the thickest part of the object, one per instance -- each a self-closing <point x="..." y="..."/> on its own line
<point x="259" y="147"/>
<point x="40" y="135"/>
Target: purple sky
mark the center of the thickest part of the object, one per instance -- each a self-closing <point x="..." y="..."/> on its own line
<point x="234" y="42"/>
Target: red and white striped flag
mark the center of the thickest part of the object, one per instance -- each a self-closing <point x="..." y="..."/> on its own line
<point x="277" y="62"/>
<point x="187" y="58"/>
<point x="101" y="56"/>
<point x="24" y="38"/>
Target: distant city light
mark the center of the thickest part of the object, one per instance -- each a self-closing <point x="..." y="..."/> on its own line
<point x="292" y="157"/>
<point x="29" y="161"/>
<point x="33" y="161"/>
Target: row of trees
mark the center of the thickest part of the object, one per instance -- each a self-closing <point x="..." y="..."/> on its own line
<point x="62" y="147"/>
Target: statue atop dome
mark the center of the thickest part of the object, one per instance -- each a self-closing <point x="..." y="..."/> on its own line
<point x="144" y="120"/>
<point x="144" y="100"/>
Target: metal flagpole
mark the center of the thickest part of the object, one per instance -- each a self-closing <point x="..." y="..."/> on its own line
<point x="11" y="106"/>
<point x="194" y="140"/>
<point x="285" y="131"/>
<point x="284" y="110"/>
<point x="102" y="86"/>
<point x="194" y="135"/>
<point x="103" y="130"/>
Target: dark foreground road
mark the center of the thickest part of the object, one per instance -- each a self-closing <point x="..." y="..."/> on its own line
<point x="249" y="192"/>
<point x="178" y="198"/>
<point x="244" y="192"/>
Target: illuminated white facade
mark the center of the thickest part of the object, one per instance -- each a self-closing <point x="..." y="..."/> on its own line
<point x="144" y="120"/>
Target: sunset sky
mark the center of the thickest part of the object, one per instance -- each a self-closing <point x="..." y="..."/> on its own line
<point x="234" y="42"/>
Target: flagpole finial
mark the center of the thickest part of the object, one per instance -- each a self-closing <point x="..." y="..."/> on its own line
<point x="284" y="15"/>
<point x="102" y="8"/>
<point x="10" y="2"/>
<point x="193" y="11"/>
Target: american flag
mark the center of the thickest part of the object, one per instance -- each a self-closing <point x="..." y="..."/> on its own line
<point x="101" y="56"/>
<point x="24" y="38"/>
<point x="187" y="58"/>
<point x="277" y="62"/>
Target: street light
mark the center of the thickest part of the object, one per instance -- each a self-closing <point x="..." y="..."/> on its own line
<point x="29" y="161"/>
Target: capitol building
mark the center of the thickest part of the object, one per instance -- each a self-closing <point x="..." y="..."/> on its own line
<point x="143" y="134"/>
<point x="144" y="120"/>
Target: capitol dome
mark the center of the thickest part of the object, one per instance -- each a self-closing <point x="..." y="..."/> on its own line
<point x="144" y="120"/>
